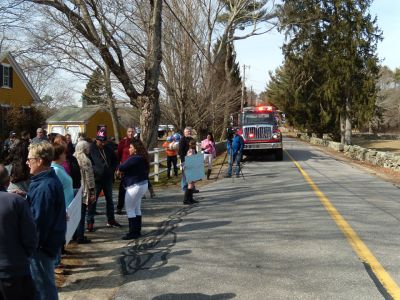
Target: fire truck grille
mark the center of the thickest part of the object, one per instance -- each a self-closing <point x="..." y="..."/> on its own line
<point x="258" y="132"/>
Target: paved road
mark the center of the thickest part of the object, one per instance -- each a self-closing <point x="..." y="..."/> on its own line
<point x="270" y="237"/>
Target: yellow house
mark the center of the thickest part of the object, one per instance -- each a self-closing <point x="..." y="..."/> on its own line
<point x="75" y="120"/>
<point x="15" y="89"/>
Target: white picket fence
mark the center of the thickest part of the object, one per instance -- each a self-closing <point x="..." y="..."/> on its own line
<point x="157" y="161"/>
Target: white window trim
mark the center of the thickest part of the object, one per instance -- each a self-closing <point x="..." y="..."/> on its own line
<point x="8" y="66"/>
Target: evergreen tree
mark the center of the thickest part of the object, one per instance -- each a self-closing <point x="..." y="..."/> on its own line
<point x="333" y="64"/>
<point x="226" y="86"/>
<point x="95" y="91"/>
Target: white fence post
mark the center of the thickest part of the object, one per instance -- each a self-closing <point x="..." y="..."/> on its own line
<point x="198" y="147"/>
<point x="156" y="164"/>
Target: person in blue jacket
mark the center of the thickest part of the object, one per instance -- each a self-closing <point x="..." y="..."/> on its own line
<point x="46" y="197"/>
<point x="234" y="147"/>
<point x="135" y="180"/>
<point x="60" y="156"/>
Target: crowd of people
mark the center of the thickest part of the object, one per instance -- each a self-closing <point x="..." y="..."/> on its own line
<point x="40" y="178"/>
<point x="38" y="181"/>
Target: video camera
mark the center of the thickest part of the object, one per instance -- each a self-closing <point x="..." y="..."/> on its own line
<point x="230" y="132"/>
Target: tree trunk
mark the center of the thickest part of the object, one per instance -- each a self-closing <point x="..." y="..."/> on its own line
<point x="225" y="123"/>
<point x="182" y="118"/>
<point x="149" y="118"/>
<point x="342" y="126"/>
<point x="348" y="122"/>
<point x="111" y="103"/>
<point x="149" y="99"/>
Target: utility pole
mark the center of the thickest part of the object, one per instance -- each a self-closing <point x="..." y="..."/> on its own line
<point x="243" y="87"/>
<point x="251" y="96"/>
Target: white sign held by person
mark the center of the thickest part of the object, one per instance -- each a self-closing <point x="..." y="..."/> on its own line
<point x="74" y="216"/>
<point x="194" y="167"/>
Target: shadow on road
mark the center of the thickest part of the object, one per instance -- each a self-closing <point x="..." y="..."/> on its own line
<point x="195" y="296"/>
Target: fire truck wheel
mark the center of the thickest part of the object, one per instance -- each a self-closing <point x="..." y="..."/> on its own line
<point x="279" y="154"/>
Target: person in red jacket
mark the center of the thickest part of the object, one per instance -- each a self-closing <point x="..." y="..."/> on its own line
<point x="172" y="156"/>
<point x="123" y="155"/>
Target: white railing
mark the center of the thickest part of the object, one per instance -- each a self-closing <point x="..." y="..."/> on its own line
<point x="157" y="161"/>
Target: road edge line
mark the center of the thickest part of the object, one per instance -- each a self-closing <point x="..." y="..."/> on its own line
<point x="359" y="247"/>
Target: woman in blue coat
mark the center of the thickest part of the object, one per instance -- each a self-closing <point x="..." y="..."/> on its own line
<point x="136" y="171"/>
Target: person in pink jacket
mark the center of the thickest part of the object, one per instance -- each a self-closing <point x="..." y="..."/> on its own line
<point x="208" y="148"/>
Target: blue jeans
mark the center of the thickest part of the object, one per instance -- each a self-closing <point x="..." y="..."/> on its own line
<point x="184" y="183"/>
<point x="106" y="186"/>
<point x="80" y="231"/>
<point x="42" y="269"/>
<point x="234" y="159"/>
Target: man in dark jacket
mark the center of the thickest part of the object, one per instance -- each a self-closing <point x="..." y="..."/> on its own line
<point x="184" y="143"/>
<point x="183" y="149"/>
<point x="104" y="163"/>
<point x="46" y="198"/>
<point x="18" y="241"/>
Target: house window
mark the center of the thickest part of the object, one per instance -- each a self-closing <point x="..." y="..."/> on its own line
<point x="6" y="76"/>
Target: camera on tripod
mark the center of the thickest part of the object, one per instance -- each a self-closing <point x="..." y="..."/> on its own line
<point x="234" y="153"/>
<point x="230" y="132"/>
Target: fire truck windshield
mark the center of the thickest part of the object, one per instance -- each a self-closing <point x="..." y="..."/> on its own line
<point x="258" y="118"/>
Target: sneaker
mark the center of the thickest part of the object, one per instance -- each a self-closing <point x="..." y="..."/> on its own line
<point x="114" y="224"/>
<point x="227" y="176"/>
<point x="90" y="227"/>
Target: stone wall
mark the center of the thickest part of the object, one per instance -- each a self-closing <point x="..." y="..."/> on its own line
<point x="377" y="158"/>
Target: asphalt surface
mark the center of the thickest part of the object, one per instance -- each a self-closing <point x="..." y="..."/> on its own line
<point x="267" y="236"/>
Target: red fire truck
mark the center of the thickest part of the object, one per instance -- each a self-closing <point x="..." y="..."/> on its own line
<point x="259" y="128"/>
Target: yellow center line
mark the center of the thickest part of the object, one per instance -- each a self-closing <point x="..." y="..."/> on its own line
<point x="359" y="247"/>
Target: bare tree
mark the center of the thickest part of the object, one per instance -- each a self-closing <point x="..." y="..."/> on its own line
<point x="195" y="44"/>
<point x="388" y="101"/>
<point x="101" y="26"/>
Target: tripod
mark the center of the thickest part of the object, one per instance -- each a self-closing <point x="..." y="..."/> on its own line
<point x="232" y="161"/>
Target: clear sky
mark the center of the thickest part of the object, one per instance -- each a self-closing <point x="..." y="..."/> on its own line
<point x="262" y="54"/>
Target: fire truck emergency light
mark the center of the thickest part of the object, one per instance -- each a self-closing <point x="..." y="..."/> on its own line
<point x="264" y="108"/>
<point x="251" y="135"/>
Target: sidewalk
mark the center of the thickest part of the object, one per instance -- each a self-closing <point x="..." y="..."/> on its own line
<point x="95" y="270"/>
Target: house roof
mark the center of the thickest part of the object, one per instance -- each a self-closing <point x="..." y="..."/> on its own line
<point x="128" y="116"/>
<point x="20" y="74"/>
<point x="73" y="114"/>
